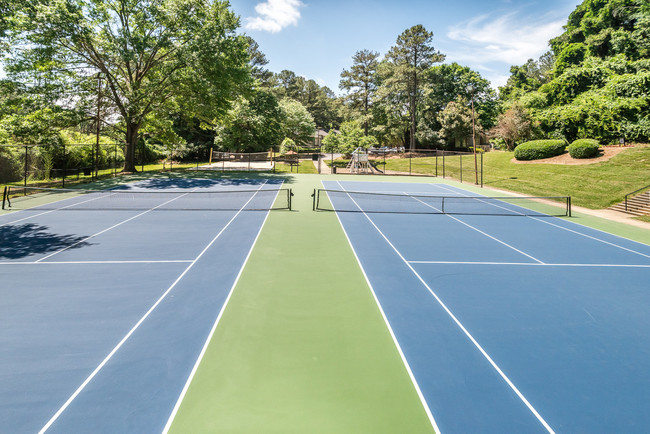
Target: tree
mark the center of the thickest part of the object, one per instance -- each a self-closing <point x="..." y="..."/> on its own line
<point x="456" y="120"/>
<point x="443" y="84"/>
<point x="297" y="125"/>
<point x="361" y="84"/>
<point x="251" y="125"/>
<point x="155" y="55"/>
<point x="408" y="59"/>
<point x="513" y="126"/>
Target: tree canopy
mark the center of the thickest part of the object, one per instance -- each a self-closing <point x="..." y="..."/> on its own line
<point x="155" y="56"/>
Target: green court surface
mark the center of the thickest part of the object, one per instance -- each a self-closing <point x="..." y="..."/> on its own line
<point x="302" y="345"/>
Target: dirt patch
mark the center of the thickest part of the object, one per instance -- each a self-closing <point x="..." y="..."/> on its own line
<point x="605" y="153"/>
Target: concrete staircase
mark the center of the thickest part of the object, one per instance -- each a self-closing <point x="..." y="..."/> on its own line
<point x="637" y="205"/>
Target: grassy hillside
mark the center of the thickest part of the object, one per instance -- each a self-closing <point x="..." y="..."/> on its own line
<point x="593" y="186"/>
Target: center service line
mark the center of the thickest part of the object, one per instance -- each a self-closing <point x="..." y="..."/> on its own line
<point x="460" y="325"/>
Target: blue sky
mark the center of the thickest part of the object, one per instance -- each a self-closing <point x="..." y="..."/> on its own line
<point x="317" y="38"/>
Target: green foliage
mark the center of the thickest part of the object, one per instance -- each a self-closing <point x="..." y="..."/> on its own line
<point x="361" y="84"/>
<point x="10" y="168"/>
<point x="600" y="85"/>
<point x="538" y="149"/>
<point x="513" y="126"/>
<point x="584" y="148"/>
<point x="405" y="64"/>
<point x="251" y="125"/>
<point x="350" y="137"/>
<point x="297" y="124"/>
<point x="456" y="120"/>
<point x="288" y="145"/>
<point x="320" y="102"/>
<point x="154" y="56"/>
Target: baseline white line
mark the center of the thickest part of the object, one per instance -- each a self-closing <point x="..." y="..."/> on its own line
<point x="171" y="261"/>
<point x="571" y="230"/>
<point x="392" y="333"/>
<point x="534" y="264"/>
<point x="195" y="368"/>
<point x="480" y="231"/>
<point x="137" y="325"/>
<point x="114" y="226"/>
<point x="460" y="325"/>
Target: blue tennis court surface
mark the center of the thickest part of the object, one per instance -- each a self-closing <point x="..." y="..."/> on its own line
<point x="510" y="323"/>
<point x="104" y="312"/>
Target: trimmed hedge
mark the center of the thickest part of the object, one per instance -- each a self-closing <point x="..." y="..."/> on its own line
<point x="584" y="148"/>
<point x="538" y="149"/>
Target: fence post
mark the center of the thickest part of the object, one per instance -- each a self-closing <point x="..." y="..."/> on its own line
<point x="26" y="156"/>
<point x="443" y="164"/>
<point x="481" y="169"/>
<point x="65" y="166"/>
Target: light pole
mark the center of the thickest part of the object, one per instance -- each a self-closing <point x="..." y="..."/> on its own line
<point x="470" y="89"/>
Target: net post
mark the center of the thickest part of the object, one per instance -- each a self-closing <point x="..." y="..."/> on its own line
<point x="4" y="197"/>
<point x="313" y="200"/>
<point x="290" y="194"/>
<point x="568" y="203"/>
<point x="481" y="169"/>
<point x="460" y="156"/>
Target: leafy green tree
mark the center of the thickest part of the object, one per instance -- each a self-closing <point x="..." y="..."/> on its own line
<point x="350" y="137"/>
<point x="360" y="81"/>
<point x="154" y="55"/>
<point x="251" y="125"/>
<point x="297" y="123"/>
<point x="407" y="60"/>
<point x="288" y="145"/>
<point x="443" y="84"/>
<point x="456" y="120"/>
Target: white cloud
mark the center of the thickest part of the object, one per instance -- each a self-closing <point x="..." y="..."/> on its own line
<point x="274" y="15"/>
<point x="510" y="38"/>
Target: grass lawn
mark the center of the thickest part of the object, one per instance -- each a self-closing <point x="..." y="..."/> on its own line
<point x="644" y="218"/>
<point x="595" y="186"/>
<point x="306" y="166"/>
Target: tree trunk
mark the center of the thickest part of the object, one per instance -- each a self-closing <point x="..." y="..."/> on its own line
<point x="131" y="143"/>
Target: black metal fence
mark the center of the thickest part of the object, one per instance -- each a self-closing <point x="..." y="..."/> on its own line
<point x="56" y="165"/>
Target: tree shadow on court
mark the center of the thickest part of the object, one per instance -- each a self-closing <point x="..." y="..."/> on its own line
<point x="19" y="241"/>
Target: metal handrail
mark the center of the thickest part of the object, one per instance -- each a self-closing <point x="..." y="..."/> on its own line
<point x="634" y="192"/>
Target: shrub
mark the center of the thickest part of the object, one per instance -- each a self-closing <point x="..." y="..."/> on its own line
<point x="584" y="148"/>
<point x="538" y="149"/>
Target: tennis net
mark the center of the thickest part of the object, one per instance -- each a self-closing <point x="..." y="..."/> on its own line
<point x="420" y="203"/>
<point x="20" y="198"/>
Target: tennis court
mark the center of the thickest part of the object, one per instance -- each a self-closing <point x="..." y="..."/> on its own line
<point x="108" y="297"/>
<point x="206" y="305"/>
<point x="508" y="323"/>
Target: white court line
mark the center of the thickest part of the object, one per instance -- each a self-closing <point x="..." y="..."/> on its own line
<point x="571" y="230"/>
<point x="115" y="225"/>
<point x="135" y="327"/>
<point x="480" y="231"/>
<point x="460" y="325"/>
<point x="170" y="261"/>
<point x="533" y="264"/>
<point x="392" y="333"/>
<point x="195" y="368"/>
